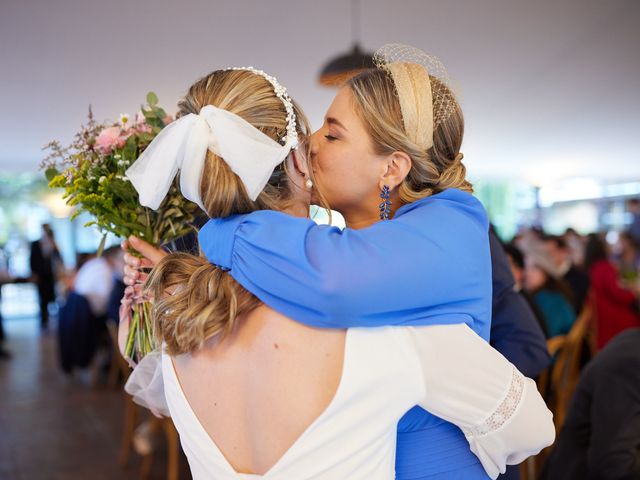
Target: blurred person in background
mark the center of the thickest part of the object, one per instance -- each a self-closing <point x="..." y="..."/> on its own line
<point x="634" y="208"/>
<point x="574" y="277"/>
<point x="516" y="262"/>
<point x="117" y="288"/>
<point x="4" y="278"/>
<point x="45" y="260"/>
<point x="527" y="238"/>
<point x="544" y="283"/>
<point x="601" y="436"/>
<point x="82" y="329"/>
<point x="95" y="279"/>
<point x="628" y="258"/>
<point x="575" y="244"/>
<point x="616" y="307"/>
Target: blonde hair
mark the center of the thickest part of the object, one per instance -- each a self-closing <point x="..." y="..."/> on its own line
<point x="433" y="170"/>
<point x="206" y="301"/>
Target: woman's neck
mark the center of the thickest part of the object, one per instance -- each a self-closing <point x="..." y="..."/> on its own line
<point x="358" y="222"/>
<point x="298" y="209"/>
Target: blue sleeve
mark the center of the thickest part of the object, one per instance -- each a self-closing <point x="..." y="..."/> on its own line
<point x="515" y="332"/>
<point x="429" y="265"/>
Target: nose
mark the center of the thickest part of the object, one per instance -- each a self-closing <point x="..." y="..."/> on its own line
<point x="314" y="142"/>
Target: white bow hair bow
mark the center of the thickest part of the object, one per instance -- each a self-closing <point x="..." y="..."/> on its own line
<point x="183" y="144"/>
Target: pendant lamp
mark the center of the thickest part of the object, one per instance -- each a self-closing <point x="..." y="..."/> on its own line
<point x="341" y="68"/>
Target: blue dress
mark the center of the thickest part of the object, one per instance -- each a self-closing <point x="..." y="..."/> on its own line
<point x="430" y="265"/>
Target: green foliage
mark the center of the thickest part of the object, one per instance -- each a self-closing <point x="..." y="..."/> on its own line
<point x="50" y="173"/>
<point x="92" y="174"/>
<point x="152" y="99"/>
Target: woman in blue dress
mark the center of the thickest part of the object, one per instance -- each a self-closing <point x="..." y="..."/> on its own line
<point x="415" y="250"/>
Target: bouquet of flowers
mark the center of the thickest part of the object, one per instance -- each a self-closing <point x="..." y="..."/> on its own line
<point x="91" y="171"/>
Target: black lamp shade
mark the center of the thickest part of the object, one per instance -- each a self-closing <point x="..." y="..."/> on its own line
<point x="342" y="68"/>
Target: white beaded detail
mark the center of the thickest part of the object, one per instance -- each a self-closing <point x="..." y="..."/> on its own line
<point x="505" y="410"/>
<point x="291" y="138"/>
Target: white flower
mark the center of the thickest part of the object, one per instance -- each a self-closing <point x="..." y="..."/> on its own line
<point x="102" y="179"/>
<point x="124" y="119"/>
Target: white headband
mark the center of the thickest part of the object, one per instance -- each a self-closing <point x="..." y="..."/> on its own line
<point x="183" y="145"/>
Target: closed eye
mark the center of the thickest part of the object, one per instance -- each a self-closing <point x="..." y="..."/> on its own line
<point x="331" y="138"/>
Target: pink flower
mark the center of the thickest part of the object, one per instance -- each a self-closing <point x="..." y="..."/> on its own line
<point x="143" y="128"/>
<point x="110" y="138"/>
<point x="140" y="118"/>
<point x="141" y="124"/>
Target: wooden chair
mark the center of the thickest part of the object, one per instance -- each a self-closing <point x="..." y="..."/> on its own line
<point x="555" y="346"/>
<point x="558" y="382"/>
<point x="119" y="366"/>
<point x="565" y="374"/>
<point x="592" y="334"/>
<point x="173" y="449"/>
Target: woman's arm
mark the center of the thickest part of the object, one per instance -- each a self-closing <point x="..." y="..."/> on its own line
<point x="431" y="261"/>
<point x="470" y="384"/>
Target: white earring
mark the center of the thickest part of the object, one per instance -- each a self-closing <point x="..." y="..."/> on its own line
<point x="309" y="184"/>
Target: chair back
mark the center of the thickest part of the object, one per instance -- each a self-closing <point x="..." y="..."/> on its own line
<point x="554" y="346"/>
<point x="564" y="377"/>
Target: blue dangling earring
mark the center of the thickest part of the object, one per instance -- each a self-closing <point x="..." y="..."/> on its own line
<point x="385" y="206"/>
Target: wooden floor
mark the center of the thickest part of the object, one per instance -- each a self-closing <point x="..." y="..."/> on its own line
<point x="56" y="427"/>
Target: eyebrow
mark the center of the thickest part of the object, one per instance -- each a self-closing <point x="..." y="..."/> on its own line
<point x="335" y="121"/>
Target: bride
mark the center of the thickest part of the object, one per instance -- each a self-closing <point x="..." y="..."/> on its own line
<point x="253" y="392"/>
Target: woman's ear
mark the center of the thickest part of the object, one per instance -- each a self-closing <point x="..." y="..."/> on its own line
<point x="299" y="162"/>
<point x="398" y="166"/>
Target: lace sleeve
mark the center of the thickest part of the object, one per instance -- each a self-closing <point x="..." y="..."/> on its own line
<point x="503" y="413"/>
<point x="470" y="384"/>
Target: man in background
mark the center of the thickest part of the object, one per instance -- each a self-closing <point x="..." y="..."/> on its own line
<point x="4" y="278"/>
<point x="634" y="209"/>
<point x="43" y="260"/>
<point x="95" y="279"/>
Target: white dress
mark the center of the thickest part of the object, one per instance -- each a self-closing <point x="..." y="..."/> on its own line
<point x="447" y="370"/>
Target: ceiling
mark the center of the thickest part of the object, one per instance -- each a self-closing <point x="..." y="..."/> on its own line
<point x="550" y="89"/>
